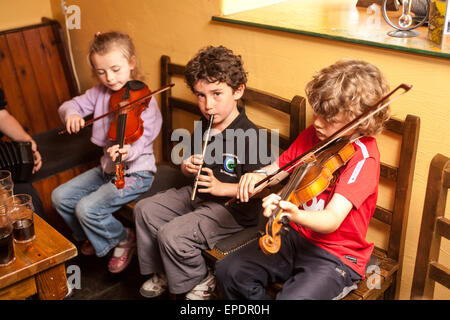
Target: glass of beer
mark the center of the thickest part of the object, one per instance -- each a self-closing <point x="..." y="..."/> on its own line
<point x="6" y="185"/>
<point x="6" y="239"/>
<point x="20" y="211"/>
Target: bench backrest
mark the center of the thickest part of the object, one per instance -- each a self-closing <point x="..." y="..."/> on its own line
<point x="295" y="108"/>
<point x="434" y="226"/>
<point x="36" y="74"/>
<point x="402" y="175"/>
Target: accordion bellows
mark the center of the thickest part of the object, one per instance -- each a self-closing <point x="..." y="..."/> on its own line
<point x="17" y="157"/>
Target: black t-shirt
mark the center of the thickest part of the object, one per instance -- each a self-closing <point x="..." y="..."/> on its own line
<point x="230" y="154"/>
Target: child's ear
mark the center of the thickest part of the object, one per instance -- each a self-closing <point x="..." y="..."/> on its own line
<point x="132" y="62"/>
<point x="237" y="94"/>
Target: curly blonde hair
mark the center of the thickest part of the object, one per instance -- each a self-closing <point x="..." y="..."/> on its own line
<point x="350" y="86"/>
<point x="104" y="42"/>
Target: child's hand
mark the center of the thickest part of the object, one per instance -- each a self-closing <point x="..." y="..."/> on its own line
<point x="74" y="123"/>
<point x="272" y="202"/>
<point x="247" y="185"/>
<point x="115" y="150"/>
<point x="210" y="183"/>
<point x="192" y="164"/>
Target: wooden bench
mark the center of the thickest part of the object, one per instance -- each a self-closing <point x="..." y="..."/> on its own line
<point x="37" y="77"/>
<point x="382" y="271"/>
<point x="169" y="175"/>
<point x="434" y="226"/>
<point x="384" y="262"/>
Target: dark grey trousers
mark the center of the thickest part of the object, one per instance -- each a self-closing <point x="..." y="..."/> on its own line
<point x="172" y="231"/>
<point x="308" y="272"/>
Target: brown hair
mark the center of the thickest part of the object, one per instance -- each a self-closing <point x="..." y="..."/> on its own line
<point x="104" y="42"/>
<point x="350" y="86"/>
<point x="214" y="64"/>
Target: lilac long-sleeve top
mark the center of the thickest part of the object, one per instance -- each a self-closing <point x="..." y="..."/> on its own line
<point x="96" y="100"/>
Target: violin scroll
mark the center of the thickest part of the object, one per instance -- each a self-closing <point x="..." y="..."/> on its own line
<point x="271" y="244"/>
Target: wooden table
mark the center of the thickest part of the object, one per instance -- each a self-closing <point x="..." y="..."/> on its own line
<point x="39" y="266"/>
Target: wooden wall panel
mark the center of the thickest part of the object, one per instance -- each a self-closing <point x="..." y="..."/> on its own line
<point x="28" y="82"/>
<point x="60" y="78"/>
<point x="35" y="75"/>
<point x="11" y="85"/>
<point x="44" y="83"/>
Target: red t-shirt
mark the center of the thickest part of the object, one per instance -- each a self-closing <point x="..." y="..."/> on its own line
<point x="358" y="183"/>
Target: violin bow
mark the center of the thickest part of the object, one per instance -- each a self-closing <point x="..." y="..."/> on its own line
<point x="162" y="89"/>
<point x="282" y="172"/>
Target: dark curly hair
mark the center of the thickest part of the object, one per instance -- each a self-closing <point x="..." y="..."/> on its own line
<point x="214" y="64"/>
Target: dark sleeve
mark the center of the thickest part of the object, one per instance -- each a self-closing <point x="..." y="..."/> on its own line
<point x="2" y="100"/>
<point x="258" y="154"/>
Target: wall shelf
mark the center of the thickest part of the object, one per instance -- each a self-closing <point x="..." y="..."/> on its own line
<point x="338" y="20"/>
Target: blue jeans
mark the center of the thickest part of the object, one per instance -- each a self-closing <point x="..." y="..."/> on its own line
<point x="88" y="201"/>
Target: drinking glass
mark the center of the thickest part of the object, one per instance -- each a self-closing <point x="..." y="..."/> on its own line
<point x="20" y="211"/>
<point x="6" y="185"/>
<point x="6" y="240"/>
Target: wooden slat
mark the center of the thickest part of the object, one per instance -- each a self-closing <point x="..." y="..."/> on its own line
<point x="176" y="69"/>
<point x="443" y="227"/>
<point x="10" y="85"/>
<point x="184" y="105"/>
<point x="440" y="273"/>
<point x="261" y="97"/>
<point x="298" y="117"/>
<point x="30" y="91"/>
<point x="383" y="215"/>
<point x="55" y="65"/>
<point x="446" y="183"/>
<point x="395" y="125"/>
<point x="32" y="26"/>
<point x="388" y="172"/>
<point x="63" y="69"/>
<point x="44" y="82"/>
<point x="405" y="177"/>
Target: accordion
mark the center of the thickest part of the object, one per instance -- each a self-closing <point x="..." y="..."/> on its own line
<point x="17" y="157"/>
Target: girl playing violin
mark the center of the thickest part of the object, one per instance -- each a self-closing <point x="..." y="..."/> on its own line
<point x="326" y="252"/>
<point x="88" y="201"/>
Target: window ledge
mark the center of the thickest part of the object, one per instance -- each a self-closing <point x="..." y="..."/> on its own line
<point x="337" y="20"/>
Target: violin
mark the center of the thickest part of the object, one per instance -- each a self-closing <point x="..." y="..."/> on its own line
<point x="304" y="184"/>
<point x="126" y="105"/>
<point x="307" y="181"/>
<point x="127" y="126"/>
